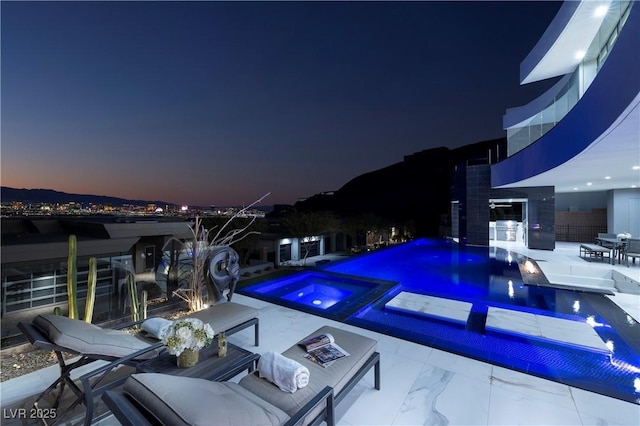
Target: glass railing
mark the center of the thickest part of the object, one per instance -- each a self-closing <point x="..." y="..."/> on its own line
<point x="532" y="129"/>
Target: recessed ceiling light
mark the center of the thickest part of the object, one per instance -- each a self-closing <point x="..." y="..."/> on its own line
<point x="580" y="54"/>
<point x="636" y="167"/>
<point x="607" y="177"/>
<point x="575" y="189"/>
<point x="589" y="184"/>
<point x="600" y="11"/>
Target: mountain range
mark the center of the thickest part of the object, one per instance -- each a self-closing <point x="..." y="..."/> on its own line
<point x="416" y="190"/>
<point x="51" y="196"/>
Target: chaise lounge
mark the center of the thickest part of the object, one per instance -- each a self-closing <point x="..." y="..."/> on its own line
<point x="149" y="399"/>
<point x="92" y="343"/>
<point x="231" y="318"/>
<point x="593" y="251"/>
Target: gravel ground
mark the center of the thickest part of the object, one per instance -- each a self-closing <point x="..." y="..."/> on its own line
<point x="18" y="364"/>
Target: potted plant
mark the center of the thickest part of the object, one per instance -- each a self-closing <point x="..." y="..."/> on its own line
<point x="185" y="338"/>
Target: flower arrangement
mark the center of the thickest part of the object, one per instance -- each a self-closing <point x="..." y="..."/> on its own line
<point x="188" y="333"/>
<point x="624" y="236"/>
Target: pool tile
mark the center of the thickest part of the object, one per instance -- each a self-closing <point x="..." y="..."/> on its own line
<point x="553" y="341"/>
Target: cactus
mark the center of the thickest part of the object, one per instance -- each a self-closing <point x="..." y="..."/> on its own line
<point x="138" y="307"/>
<point x="72" y="283"/>
<point x="92" y="281"/>
<point x="57" y="311"/>
<point x="133" y="296"/>
<point x="143" y="304"/>
<point x="72" y="277"/>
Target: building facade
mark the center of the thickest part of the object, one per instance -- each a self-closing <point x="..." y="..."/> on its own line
<point x="35" y="253"/>
<point x="577" y="146"/>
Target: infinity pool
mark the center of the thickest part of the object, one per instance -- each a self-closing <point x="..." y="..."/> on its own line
<point x="473" y="301"/>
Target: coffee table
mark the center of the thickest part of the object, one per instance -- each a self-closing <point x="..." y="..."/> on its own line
<point x="209" y="366"/>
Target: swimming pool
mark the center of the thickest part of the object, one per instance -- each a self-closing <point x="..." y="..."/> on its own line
<point x="473" y="301"/>
<point x="332" y="295"/>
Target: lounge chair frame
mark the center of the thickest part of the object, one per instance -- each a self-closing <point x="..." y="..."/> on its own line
<point x="130" y="413"/>
<point x="38" y="339"/>
<point x="593" y="251"/>
<point x="92" y="382"/>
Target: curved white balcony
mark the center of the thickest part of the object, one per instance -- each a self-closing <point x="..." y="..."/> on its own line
<point x="577" y="44"/>
<point x="602" y="129"/>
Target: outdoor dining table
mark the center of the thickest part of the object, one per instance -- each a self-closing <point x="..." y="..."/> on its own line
<point x="616" y="244"/>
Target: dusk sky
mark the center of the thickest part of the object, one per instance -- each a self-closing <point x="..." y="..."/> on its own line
<point x="218" y="103"/>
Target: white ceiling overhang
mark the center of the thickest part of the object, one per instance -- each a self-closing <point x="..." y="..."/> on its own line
<point x="572" y="31"/>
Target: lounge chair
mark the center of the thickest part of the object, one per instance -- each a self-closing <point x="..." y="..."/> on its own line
<point x="92" y="343"/>
<point x="148" y="399"/>
<point x="230" y="317"/>
<point x="632" y="249"/>
<point x="594" y="251"/>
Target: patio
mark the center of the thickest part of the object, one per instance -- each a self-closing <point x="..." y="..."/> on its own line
<point x="420" y="385"/>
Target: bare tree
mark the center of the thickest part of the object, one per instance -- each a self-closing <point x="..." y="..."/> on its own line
<point x="203" y="250"/>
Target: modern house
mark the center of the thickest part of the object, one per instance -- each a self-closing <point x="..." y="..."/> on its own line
<point x="34" y="261"/>
<point x="576" y="148"/>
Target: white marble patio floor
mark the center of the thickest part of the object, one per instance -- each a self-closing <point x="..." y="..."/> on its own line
<point x="422" y="385"/>
<point x="420" y="304"/>
<point x="579" y="334"/>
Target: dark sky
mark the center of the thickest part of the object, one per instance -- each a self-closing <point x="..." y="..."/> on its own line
<point x="221" y="102"/>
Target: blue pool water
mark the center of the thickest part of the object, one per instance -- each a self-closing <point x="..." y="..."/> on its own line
<point x="321" y="295"/>
<point x="332" y="295"/>
<point x="356" y="290"/>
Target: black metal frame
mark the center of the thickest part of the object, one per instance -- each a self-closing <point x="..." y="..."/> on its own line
<point x="253" y="321"/>
<point x="591" y="251"/>
<point x="41" y="341"/>
<point x="91" y="390"/>
<point x="129" y="413"/>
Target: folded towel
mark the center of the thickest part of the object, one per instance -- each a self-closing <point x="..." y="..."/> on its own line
<point x="289" y="375"/>
<point x="157" y="327"/>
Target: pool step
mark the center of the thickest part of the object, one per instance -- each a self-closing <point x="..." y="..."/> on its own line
<point x="477" y="318"/>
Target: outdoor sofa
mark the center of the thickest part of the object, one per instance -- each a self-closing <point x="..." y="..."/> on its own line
<point x="152" y="399"/>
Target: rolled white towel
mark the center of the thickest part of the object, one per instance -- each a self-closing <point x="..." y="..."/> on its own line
<point x="289" y="375"/>
<point x="157" y="327"/>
